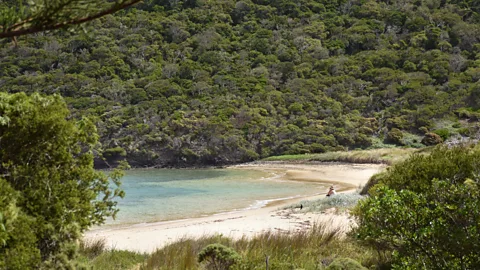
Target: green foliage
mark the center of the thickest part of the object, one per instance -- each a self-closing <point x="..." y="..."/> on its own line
<point x="191" y="83"/>
<point x="383" y="155"/>
<point x="443" y="133"/>
<point x="394" y="136"/>
<point x="345" y="264"/>
<point x="304" y="249"/>
<point x="218" y="257"/>
<point x="95" y="255"/>
<point x="53" y="192"/>
<point x="114" y="154"/>
<point x="113" y="260"/>
<point x="17" y="240"/>
<point x="425" y="211"/>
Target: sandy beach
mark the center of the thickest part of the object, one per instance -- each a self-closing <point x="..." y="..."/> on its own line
<point x="147" y="237"/>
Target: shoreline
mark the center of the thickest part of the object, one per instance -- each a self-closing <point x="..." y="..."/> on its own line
<point x="147" y="237"/>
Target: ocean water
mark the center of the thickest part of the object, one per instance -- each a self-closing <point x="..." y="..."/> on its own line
<point x="168" y="194"/>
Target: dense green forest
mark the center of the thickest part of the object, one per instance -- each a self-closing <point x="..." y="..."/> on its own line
<point x="212" y="82"/>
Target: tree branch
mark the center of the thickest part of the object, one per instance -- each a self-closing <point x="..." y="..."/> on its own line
<point x="39" y="28"/>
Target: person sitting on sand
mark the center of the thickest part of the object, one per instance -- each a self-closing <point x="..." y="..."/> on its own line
<point x="331" y="191"/>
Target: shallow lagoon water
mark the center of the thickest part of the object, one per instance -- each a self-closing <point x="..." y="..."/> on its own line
<point x="168" y="194"/>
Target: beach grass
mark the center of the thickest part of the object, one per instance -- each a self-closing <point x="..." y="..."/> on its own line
<point x="377" y="156"/>
<point x="312" y="248"/>
<point x="95" y="255"/>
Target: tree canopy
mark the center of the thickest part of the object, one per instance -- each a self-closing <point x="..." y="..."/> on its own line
<point x="189" y="83"/>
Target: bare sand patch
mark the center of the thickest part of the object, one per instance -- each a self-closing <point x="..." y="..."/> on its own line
<point x="147" y="237"/>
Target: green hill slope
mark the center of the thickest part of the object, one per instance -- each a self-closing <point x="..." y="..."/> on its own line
<point x="197" y="82"/>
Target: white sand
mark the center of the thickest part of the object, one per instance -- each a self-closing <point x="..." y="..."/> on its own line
<point x="150" y="236"/>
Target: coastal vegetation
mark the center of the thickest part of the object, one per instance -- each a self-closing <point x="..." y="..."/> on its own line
<point x="425" y="211"/>
<point x="49" y="191"/>
<point x="193" y="83"/>
<point x="387" y="156"/>
<point x="311" y="249"/>
<point x="421" y="213"/>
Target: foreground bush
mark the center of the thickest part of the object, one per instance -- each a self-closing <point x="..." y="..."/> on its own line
<point x="218" y="257"/>
<point x="49" y="190"/>
<point x="426" y="211"/>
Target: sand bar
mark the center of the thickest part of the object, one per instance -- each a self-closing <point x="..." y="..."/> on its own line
<point x="147" y="237"/>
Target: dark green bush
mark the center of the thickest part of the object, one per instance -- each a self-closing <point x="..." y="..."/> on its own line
<point x="218" y="257"/>
<point x="426" y="211"/>
<point x="17" y="241"/>
<point x="443" y="132"/>
<point x="115" y="152"/>
<point x="394" y="136"/>
<point x="49" y="191"/>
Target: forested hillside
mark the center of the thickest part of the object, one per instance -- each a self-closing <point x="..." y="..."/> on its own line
<point x="212" y="82"/>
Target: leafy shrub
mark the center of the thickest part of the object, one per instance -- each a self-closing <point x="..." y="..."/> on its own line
<point x="49" y="180"/>
<point x="17" y="240"/>
<point x="375" y="179"/>
<point x="431" y="139"/>
<point x="115" y="152"/>
<point x="426" y="211"/>
<point x="443" y="132"/>
<point x="218" y="257"/>
<point x="394" y="136"/>
<point x="345" y="264"/>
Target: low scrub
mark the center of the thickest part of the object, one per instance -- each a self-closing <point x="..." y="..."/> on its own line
<point x="307" y="249"/>
<point x="95" y="255"/>
<point x="425" y="211"/>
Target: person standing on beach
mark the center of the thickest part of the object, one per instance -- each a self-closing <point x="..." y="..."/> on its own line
<point x="331" y="191"/>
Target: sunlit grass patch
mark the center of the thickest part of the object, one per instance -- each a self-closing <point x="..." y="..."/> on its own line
<point x="312" y="248"/>
<point x="94" y="254"/>
<point x="377" y="156"/>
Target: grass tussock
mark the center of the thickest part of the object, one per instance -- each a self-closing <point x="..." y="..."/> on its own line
<point x="314" y="248"/>
<point x="376" y="156"/>
<point x="92" y="248"/>
<point x="95" y="255"/>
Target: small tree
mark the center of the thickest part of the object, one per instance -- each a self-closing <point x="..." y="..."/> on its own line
<point x="218" y="257"/>
<point x="394" y="136"/>
<point x="50" y="191"/>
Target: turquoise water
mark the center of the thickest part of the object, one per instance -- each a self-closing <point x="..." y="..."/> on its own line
<point x="167" y="194"/>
